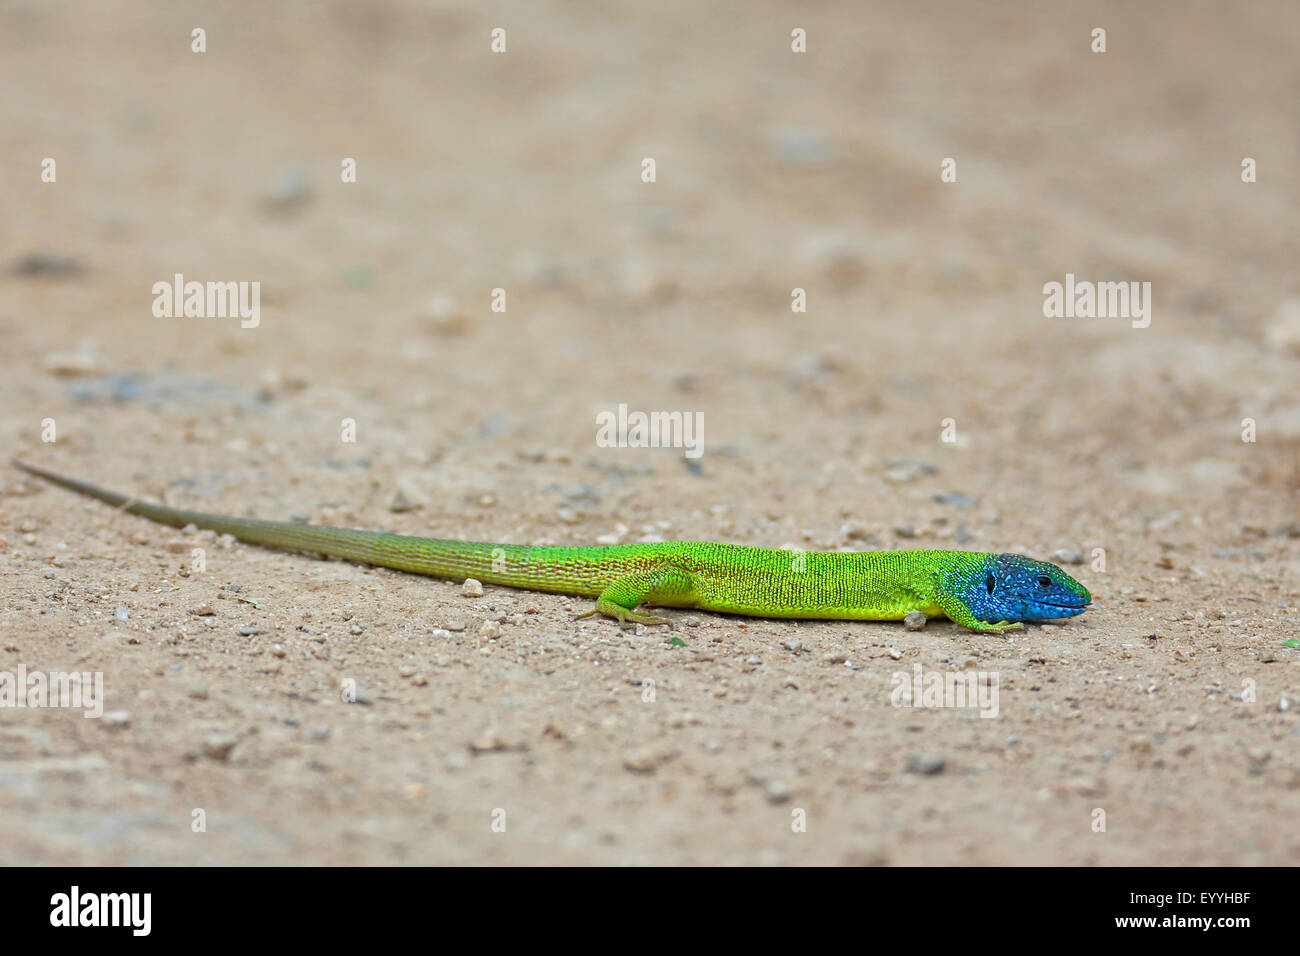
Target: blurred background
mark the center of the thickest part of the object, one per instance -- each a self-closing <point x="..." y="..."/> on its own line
<point x="775" y="170"/>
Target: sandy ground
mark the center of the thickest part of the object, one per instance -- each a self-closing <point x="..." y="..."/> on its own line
<point x="1167" y="715"/>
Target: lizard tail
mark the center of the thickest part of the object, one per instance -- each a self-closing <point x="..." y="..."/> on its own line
<point x="514" y="565"/>
<point x="368" y="547"/>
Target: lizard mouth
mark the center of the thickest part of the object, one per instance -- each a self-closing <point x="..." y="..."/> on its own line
<point x="1073" y="605"/>
<point x="1077" y="605"/>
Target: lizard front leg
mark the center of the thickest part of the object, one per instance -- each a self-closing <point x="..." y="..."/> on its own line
<point x="957" y="611"/>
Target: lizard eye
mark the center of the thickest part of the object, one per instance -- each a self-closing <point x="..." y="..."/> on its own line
<point x="989" y="582"/>
<point x="1044" y="582"/>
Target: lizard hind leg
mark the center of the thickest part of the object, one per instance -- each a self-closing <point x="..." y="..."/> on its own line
<point x="625" y="616"/>
<point x="665" y="585"/>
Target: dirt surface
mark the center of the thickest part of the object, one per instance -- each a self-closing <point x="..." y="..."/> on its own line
<point x="1169" y="714"/>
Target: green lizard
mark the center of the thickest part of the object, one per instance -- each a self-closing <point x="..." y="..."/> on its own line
<point x="981" y="591"/>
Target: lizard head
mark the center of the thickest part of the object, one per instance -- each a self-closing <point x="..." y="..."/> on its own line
<point x="1011" y="587"/>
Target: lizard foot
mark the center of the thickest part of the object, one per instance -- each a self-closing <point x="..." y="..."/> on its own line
<point x="626" y="617"/>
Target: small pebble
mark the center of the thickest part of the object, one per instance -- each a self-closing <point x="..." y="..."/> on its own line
<point x="492" y="740"/>
<point x="1067" y="557"/>
<point x="648" y="760"/>
<point x="219" y="746"/>
<point x="357" y="695"/>
<point x="121" y="613"/>
<point x="441" y="316"/>
<point x="472" y="588"/>
<point x="798" y="145"/>
<point x="914" y="621"/>
<point x="1259" y="758"/>
<point x="928" y="764"/>
<point x="584" y="493"/>
<point x="116" y="718"/>
<point x="950" y="498"/>
<point x="1087" y="787"/>
<point x="71" y="364"/>
<point x="55" y="265"/>
<point x="777" y="791"/>
<point x="289" y="189"/>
